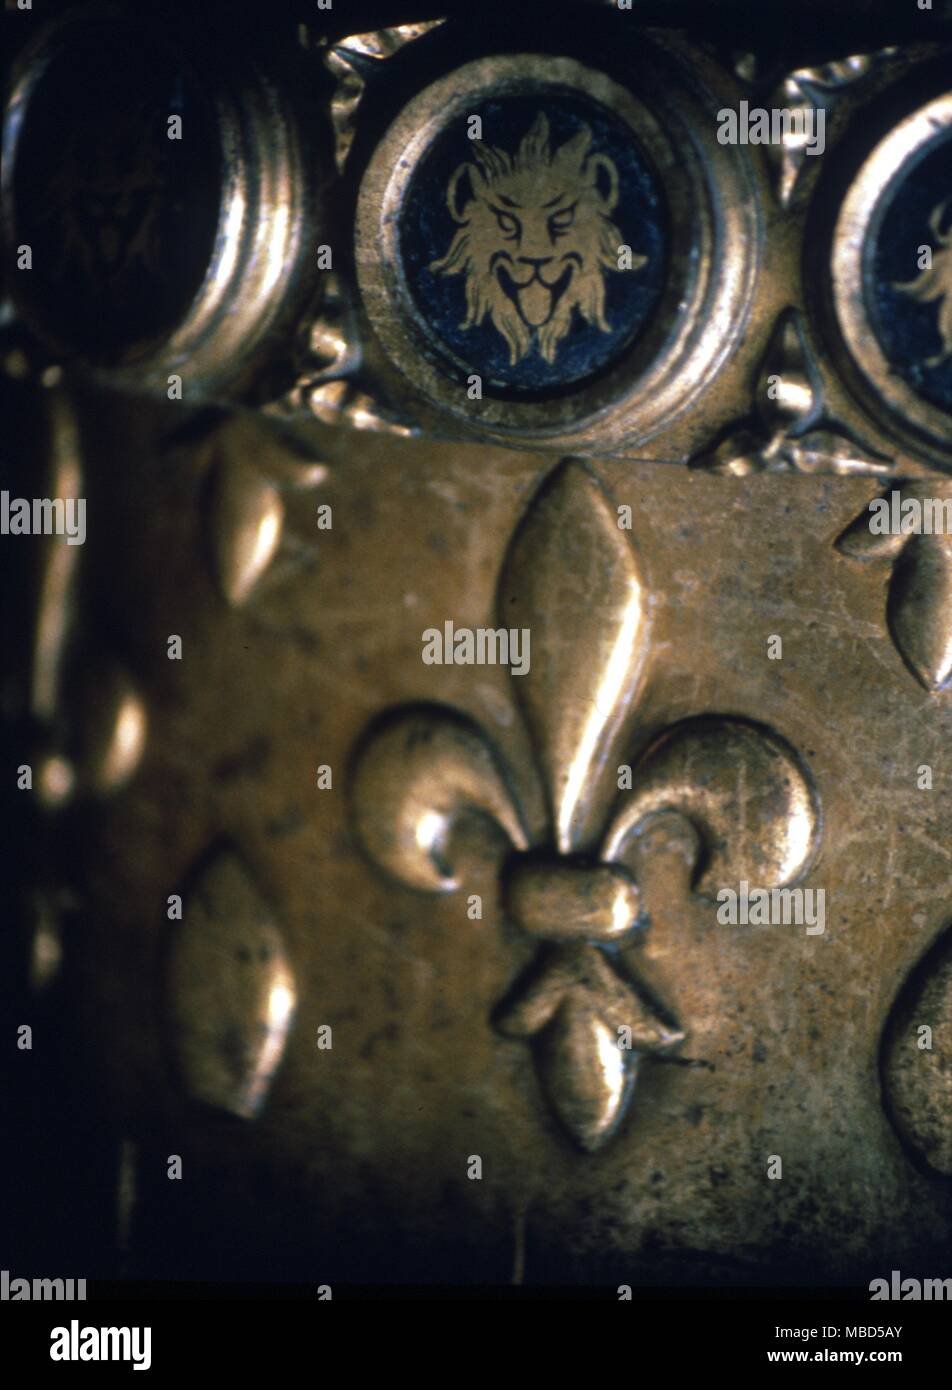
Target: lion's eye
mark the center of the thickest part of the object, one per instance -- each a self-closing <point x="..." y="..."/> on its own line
<point x="561" y="221"/>
<point x="508" y="225"/>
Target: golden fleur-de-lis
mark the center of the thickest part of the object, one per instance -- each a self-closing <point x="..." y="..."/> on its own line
<point x="573" y="579"/>
<point x="919" y="602"/>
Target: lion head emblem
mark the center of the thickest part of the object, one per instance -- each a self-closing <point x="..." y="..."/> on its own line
<point x="107" y="197"/>
<point x="936" y="283"/>
<point x="534" y="238"/>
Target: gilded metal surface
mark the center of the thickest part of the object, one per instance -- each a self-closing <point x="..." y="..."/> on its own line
<point x="395" y="756"/>
<point x="916" y="1079"/>
<point x="920" y="585"/>
<point x="231" y="993"/>
<point x="746" y="1041"/>
<point x="744" y="794"/>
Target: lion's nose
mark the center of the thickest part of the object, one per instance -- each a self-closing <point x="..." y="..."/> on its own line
<point x="535" y="260"/>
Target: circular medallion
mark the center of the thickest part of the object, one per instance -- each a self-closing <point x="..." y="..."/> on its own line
<point x="155" y="215"/>
<point x="120" y="219"/>
<point x="892" y="270"/>
<point x="534" y="265"/>
<point x="538" y="247"/>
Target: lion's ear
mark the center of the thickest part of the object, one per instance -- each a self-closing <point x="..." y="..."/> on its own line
<point x="453" y="197"/>
<point x="936" y="220"/>
<point x="604" y="179"/>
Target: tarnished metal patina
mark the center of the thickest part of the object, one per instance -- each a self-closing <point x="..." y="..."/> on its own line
<point x="480" y="854"/>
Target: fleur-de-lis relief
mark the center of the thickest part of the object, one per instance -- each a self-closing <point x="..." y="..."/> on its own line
<point x="573" y="579"/>
<point x="245" y="507"/>
<point x="917" y="1078"/>
<point x="230" y="991"/>
<point x="919" y="604"/>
